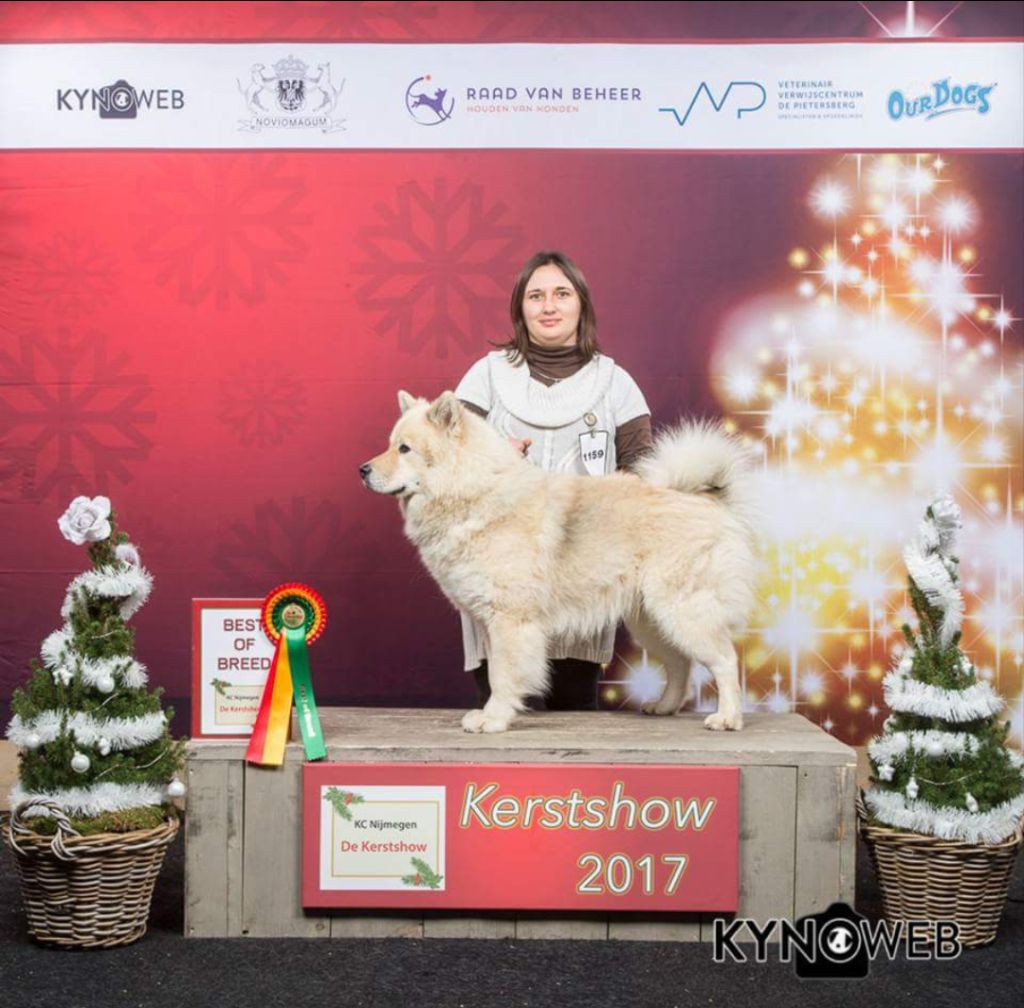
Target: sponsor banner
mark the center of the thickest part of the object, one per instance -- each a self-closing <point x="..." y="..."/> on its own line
<point x="231" y="659"/>
<point x="515" y="836"/>
<point x="891" y="95"/>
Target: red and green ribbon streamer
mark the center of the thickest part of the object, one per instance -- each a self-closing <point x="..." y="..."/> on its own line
<point x="289" y="679"/>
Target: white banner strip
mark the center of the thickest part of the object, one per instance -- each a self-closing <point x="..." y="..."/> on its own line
<point x="793" y="96"/>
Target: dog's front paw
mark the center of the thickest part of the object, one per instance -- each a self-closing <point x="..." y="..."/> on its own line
<point x="658" y="707"/>
<point x="472" y="721"/>
<point x="480" y="721"/>
<point x="724" y="722"/>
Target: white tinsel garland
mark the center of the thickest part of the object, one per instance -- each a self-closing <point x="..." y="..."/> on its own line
<point x="122" y="733"/>
<point x="946" y="516"/>
<point x="52" y="649"/>
<point x="912" y="697"/>
<point x="131" y="672"/>
<point x="931" y="566"/>
<point x="92" y="801"/>
<point x="56" y="652"/>
<point x="886" y="748"/>
<point x="132" y="584"/>
<point x="947" y="823"/>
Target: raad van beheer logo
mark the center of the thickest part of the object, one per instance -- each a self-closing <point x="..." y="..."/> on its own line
<point x="119" y="100"/>
<point x="427" y="103"/>
<point x="291" y="97"/>
<point x="942" y="99"/>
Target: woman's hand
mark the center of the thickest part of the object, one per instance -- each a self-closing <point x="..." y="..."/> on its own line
<point x="521" y="445"/>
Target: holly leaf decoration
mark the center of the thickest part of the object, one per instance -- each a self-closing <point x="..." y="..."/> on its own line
<point x="341" y="800"/>
<point x="425" y="876"/>
<point x="218" y="686"/>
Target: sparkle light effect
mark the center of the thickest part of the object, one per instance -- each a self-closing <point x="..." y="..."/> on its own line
<point x="897" y="376"/>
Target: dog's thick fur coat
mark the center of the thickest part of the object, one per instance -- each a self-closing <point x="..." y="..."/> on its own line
<point x="533" y="554"/>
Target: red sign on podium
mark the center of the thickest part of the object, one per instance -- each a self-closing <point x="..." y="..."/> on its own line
<point x="520" y="836"/>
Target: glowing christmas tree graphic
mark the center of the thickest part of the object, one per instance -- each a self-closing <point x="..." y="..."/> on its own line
<point x="887" y="373"/>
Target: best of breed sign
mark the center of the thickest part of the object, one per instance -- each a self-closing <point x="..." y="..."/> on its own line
<point x="520" y="836"/>
<point x="231" y="658"/>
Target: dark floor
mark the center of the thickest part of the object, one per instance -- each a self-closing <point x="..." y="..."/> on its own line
<point x="166" y="969"/>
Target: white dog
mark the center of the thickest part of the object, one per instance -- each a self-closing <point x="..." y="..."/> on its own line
<point x="533" y="554"/>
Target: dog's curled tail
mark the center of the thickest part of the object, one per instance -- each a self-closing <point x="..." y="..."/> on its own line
<point x="699" y="457"/>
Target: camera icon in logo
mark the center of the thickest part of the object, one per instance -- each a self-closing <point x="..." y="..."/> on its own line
<point x="838" y="951"/>
<point x="121" y="102"/>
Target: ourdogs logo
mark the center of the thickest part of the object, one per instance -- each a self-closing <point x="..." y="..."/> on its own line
<point x="750" y="96"/>
<point x="837" y="944"/>
<point x="119" y="100"/>
<point x="290" y="97"/>
<point x="941" y="100"/>
<point x="428" y="104"/>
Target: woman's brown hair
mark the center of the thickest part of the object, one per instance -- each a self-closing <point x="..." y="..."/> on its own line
<point x="586" y="338"/>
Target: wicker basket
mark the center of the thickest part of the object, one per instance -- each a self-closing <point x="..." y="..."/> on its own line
<point x="86" y="891"/>
<point x="925" y="878"/>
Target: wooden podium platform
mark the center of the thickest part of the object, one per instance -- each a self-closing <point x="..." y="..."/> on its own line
<point x="797" y="830"/>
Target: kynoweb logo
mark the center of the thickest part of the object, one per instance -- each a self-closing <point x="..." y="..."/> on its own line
<point x="119" y="100"/>
<point x="837" y="944"/>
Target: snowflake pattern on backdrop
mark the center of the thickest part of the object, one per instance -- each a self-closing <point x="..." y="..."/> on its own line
<point x="71" y="275"/>
<point x="888" y="372"/>
<point x="224" y="227"/>
<point x="440" y="266"/>
<point x="299" y="534"/>
<point x="261" y="409"/>
<point x="71" y="415"/>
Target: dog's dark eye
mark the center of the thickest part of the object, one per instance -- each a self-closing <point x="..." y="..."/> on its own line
<point x="403" y="448"/>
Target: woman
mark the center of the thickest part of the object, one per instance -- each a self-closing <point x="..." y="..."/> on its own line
<point x="569" y="408"/>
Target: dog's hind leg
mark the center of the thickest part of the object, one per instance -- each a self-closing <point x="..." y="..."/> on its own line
<point x="516" y="668"/>
<point x="697" y="628"/>
<point x="675" y="664"/>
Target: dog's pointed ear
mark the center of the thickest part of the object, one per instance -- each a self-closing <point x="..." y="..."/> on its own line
<point x="446" y="412"/>
<point x="405" y="400"/>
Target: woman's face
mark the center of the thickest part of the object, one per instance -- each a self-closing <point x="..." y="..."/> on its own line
<point x="551" y="308"/>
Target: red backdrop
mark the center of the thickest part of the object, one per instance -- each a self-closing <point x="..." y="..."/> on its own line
<point x="215" y="339"/>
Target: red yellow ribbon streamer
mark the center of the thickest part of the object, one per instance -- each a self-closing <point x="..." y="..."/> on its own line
<point x="270" y="733"/>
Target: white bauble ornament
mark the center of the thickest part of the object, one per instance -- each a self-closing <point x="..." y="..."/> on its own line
<point x="934" y="748"/>
<point x="103" y="745"/>
<point x="912" y="788"/>
<point x="79" y="762"/>
<point x="906" y="665"/>
<point x="885" y="772"/>
<point x="175" y="789"/>
<point x="33" y="741"/>
<point x="105" y="684"/>
<point x="971" y="802"/>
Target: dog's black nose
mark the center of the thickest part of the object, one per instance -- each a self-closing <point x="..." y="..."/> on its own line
<point x="364" y="470"/>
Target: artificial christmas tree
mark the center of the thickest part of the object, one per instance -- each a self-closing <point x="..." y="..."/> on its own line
<point x="91" y="817"/>
<point x="943" y="813"/>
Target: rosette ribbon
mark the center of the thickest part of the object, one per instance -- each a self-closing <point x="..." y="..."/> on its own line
<point x="293" y="616"/>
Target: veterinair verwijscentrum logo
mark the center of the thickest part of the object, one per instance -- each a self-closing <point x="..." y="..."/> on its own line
<point x="941" y="99"/>
<point x="288" y="96"/>
<point x="428" y="104"/>
<point x="119" y="100"/>
<point x="743" y="96"/>
<point x="836" y="944"/>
